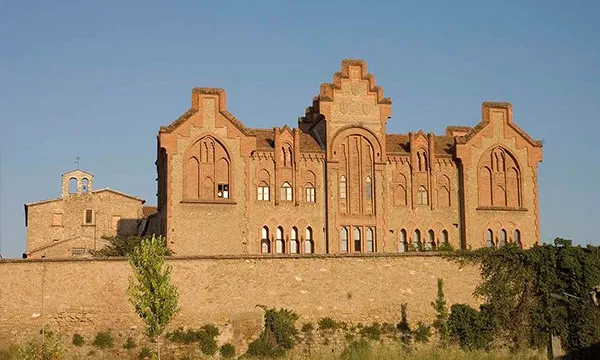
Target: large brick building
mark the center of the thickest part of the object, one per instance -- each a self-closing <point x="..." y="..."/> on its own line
<point x="339" y="183"/>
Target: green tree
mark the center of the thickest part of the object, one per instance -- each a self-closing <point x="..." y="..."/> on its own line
<point x="441" y="312"/>
<point x="150" y="290"/>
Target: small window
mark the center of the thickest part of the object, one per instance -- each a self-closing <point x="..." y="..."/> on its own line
<point x="342" y="187"/>
<point x="517" y="238"/>
<point x="72" y="186"/>
<point x="279" y="242"/>
<point x="357" y="240"/>
<point x="115" y="222"/>
<point x="57" y="219"/>
<point x="85" y="185"/>
<point x="223" y="191"/>
<point x="344" y="238"/>
<point x="430" y="240"/>
<point x="263" y="192"/>
<point x="368" y="189"/>
<point x="445" y="237"/>
<point x="294" y="245"/>
<point x="489" y="238"/>
<point x="310" y="193"/>
<point x="265" y="244"/>
<point x="417" y="240"/>
<point x="309" y="245"/>
<point x="286" y="192"/>
<point x="402" y="243"/>
<point x="503" y="237"/>
<point x="77" y="251"/>
<point x="370" y="240"/>
<point x="422" y="195"/>
<point x="89" y="217"/>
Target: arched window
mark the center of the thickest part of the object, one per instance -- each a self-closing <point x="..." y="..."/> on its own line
<point x="444" y="237"/>
<point x="286" y="153"/>
<point x="294" y="244"/>
<point x="489" y="238"/>
<point x="263" y="192"/>
<point x="286" y="192"/>
<point x="402" y="243"/>
<point x="517" y="238"/>
<point x="503" y="237"/>
<point x="342" y="187"/>
<point x="72" y="186"/>
<point x="344" y="240"/>
<point x="84" y="185"/>
<point x="265" y="244"/>
<point x="279" y="243"/>
<point x="357" y="240"/>
<point x="309" y="245"/>
<point x="422" y="195"/>
<point x="368" y="188"/>
<point x="310" y="193"/>
<point x="430" y="240"/>
<point x="370" y="240"/>
<point x="417" y="240"/>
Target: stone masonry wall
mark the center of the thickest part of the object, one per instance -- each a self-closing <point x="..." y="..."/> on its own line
<point x="89" y="295"/>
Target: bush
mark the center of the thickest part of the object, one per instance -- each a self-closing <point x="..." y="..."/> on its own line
<point x="372" y="332"/>
<point x="422" y="332"/>
<point x="145" y="353"/>
<point x="278" y="336"/>
<point x="78" y="340"/>
<point x="403" y="326"/>
<point x="357" y="350"/>
<point x="129" y="344"/>
<point x="327" y="323"/>
<point x="467" y="326"/>
<point x="50" y="349"/>
<point x="208" y="344"/>
<point x="104" y="340"/>
<point x="227" y="351"/>
<point x="307" y="328"/>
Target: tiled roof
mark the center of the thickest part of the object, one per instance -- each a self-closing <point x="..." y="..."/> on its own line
<point x="309" y="144"/>
<point x="264" y="139"/>
<point x="397" y="144"/>
<point x="147" y="211"/>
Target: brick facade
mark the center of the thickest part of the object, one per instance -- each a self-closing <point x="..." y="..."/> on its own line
<point x="339" y="182"/>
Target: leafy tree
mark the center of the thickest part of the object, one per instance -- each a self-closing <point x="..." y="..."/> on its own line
<point x="123" y="246"/>
<point x="278" y="335"/>
<point x="441" y="312"/>
<point x="150" y="290"/>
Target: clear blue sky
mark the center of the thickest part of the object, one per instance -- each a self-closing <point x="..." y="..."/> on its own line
<point x="97" y="79"/>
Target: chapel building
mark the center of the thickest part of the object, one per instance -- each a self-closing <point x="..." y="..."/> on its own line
<point x="339" y="183"/>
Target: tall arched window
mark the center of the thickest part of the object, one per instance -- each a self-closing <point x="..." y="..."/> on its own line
<point x="344" y="240"/>
<point x="279" y="242"/>
<point x="370" y="240"/>
<point x="422" y="195"/>
<point x="517" y="238"/>
<point x="72" y="186"/>
<point x="342" y="187"/>
<point x="489" y="238"/>
<point x="265" y="244"/>
<point x="294" y="244"/>
<point x="309" y="244"/>
<point x="368" y="188"/>
<point x="286" y="192"/>
<point x="430" y="240"/>
<point x="503" y="237"/>
<point x="402" y="242"/>
<point x="445" y="237"/>
<point x="357" y="240"/>
<point x="417" y="240"/>
<point x="263" y="192"/>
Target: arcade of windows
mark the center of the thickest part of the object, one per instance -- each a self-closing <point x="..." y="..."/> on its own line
<point x="502" y="238"/>
<point x="289" y="243"/>
<point x="363" y="239"/>
<point x="417" y="242"/>
<point x="263" y="192"/>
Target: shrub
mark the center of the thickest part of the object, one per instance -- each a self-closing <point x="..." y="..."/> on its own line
<point x="468" y="327"/>
<point x="227" y="351"/>
<point x="208" y="344"/>
<point x="181" y="336"/>
<point x="403" y="326"/>
<point x="327" y="323"/>
<point x="307" y="328"/>
<point x="422" y="332"/>
<point x="372" y="332"/>
<point x="49" y="349"/>
<point x="129" y="344"/>
<point x="278" y="336"/>
<point x="145" y="353"/>
<point x="104" y="340"/>
<point x="441" y="312"/>
<point x="357" y="350"/>
<point x="78" y="340"/>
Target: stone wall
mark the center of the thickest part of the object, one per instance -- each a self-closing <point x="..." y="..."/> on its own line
<point x="89" y="295"/>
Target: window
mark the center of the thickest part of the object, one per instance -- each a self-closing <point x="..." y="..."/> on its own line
<point x="357" y="240"/>
<point x="445" y="237"/>
<point x="430" y="240"/>
<point x="57" y="219"/>
<point x="279" y="244"/>
<point x="310" y="193"/>
<point x="417" y="240"/>
<point x="344" y="238"/>
<point x="115" y="222"/>
<point x="309" y="247"/>
<point x="517" y="238"/>
<point x="294" y="241"/>
<point x="72" y="186"/>
<point x="489" y="238"/>
<point x="370" y="242"/>
<point x="77" y="251"/>
<point x="89" y="217"/>
<point x="402" y="243"/>
<point x="223" y="191"/>
<point x="368" y="189"/>
<point x="342" y="187"/>
<point x="265" y="244"/>
<point x="85" y="185"/>
<point x="503" y="237"/>
<point x="422" y="195"/>
<point x="263" y="192"/>
<point x="286" y="192"/>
